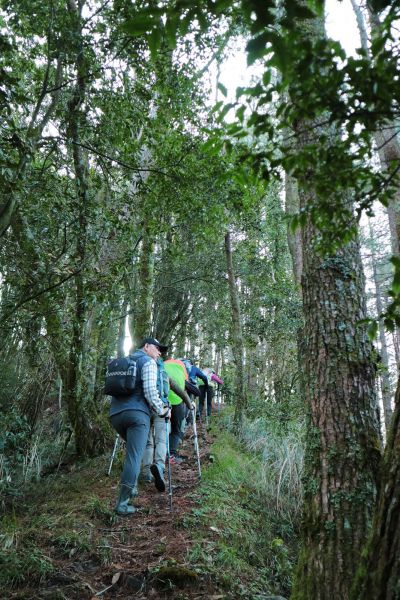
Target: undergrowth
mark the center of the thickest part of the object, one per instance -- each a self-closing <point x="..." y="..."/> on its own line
<point x="246" y="536"/>
<point x="54" y="519"/>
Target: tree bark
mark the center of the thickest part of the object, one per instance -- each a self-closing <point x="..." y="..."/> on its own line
<point x="80" y="402"/>
<point x="144" y="298"/>
<point x="121" y="328"/>
<point x="343" y="445"/>
<point x="34" y="131"/>
<point x="384" y="375"/>
<point x="294" y="238"/>
<point x="237" y="337"/>
<point x="379" y="575"/>
<point x="386" y="138"/>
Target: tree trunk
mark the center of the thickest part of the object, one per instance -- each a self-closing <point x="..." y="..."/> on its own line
<point x="343" y="443"/>
<point x="237" y="337"/>
<point x="379" y="575"/>
<point x="122" y="328"/>
<point x="384" y="376"/>
<point x="144" y="298"/>
<point x="386" y="138"/>
<point x="26" y="151"/>
<point x="294" y="238"/>
<point x="80" y="403"/>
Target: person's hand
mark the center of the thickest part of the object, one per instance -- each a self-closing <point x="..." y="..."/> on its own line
<point x="166" y="414"/>
<point x="193" y="407"/>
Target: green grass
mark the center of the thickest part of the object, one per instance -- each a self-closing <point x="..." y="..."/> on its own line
<point x="55" y="518"/>
<point x="98" y="509"/>
<point x="22" y="565"/>
<point x="245" y="546"/>
<point x="73" y="542"/>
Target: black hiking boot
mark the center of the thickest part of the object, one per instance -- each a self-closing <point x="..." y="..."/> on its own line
<point x="159" y="481"/>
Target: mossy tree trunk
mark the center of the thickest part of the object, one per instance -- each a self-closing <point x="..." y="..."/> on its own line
<point x="78" y="391"/>
<point x="379" y="575"/>
<point x="293" y="237"/>
<point x="141" y="325"/>
<point x="343" y="445"/>
<point x="237" y="336"/>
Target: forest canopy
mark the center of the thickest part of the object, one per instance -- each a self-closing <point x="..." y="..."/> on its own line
<point x="259" y="235"/>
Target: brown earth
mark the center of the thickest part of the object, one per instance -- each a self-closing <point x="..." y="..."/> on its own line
<point x="146" y="553"/>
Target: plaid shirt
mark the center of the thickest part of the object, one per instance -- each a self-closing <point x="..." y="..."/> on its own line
<point x="149" y="379"/>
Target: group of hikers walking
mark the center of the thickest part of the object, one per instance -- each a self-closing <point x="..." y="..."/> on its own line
<point x="152" y="401"/>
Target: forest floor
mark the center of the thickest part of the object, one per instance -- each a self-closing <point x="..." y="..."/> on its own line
<point x="67" y="521"/>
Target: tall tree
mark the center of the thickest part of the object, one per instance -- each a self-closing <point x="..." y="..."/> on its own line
<point x="384" y="375"/>
<point x="237" y="335"/>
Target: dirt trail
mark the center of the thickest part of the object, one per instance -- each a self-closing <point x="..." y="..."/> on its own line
<point x="147" y="553"/>
<point x="154" y="536"/>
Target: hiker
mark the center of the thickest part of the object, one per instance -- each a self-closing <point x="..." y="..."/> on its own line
<point x="208" y="393"/>
<point x="193" y="392"/>
<point x="197" y="378"/>
<point x="130" y="417"/>
<point x="156" y="448"/>
<point x="177" y="371"/>
<point x="193" y="371"/>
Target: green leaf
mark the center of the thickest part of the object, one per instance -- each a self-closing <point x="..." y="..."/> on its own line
<point x="294" y="223"/>
<point x="267" y="77"/>
<point x="140" y="24"/>
<point x="240" y="113"/>
<point x="281" y="52"/>
<point x="220" y="6"/>
<point x="396" y="282"/>
<point x="395" y="260"/>
<point x="154" y="41"/>
<point x="372" y="330"/>
<point x="256" y="48"/>
<point x="389" y="324"/>
<point x="171" y="28"/>
<point x="184" y="24"/>
<point x="224" y="111"/>
<point x="222" y="89"/>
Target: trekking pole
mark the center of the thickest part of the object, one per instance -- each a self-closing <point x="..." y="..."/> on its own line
<point x="196" y="442"/>
<point x="169" y="465"/>
<point x="117" y="439"/>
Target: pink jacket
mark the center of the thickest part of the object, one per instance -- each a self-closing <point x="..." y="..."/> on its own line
<point x="215" y="377"/>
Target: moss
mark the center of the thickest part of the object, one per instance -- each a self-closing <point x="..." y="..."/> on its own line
<point x="175" y="574"/>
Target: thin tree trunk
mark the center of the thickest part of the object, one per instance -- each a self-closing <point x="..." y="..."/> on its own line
<point x="386" y="138"/>
<point x="80" y="402"/>
<point x="384" y="376"/>
<point x="294" y="237"/>
<point x="122" y="328"/>
<point x="33" y="134"/>
<point x="144" y="298"/>
<point x="237" y="337"/>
